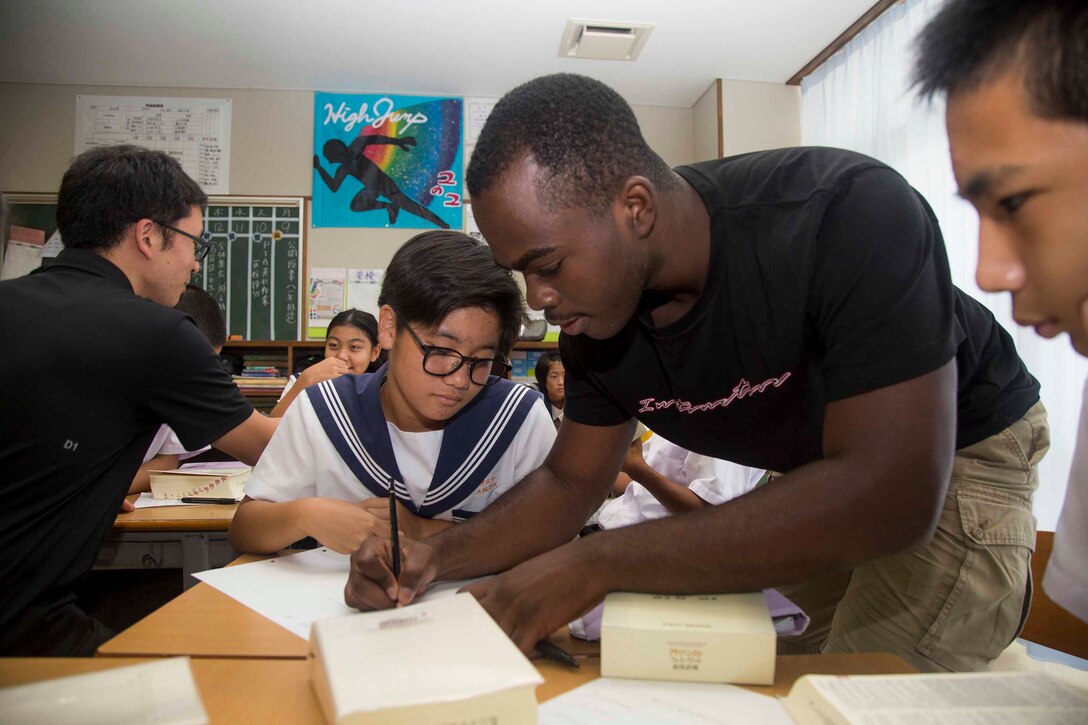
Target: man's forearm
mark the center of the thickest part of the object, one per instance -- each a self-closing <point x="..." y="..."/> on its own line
<point x="759" y="540"/>
<point x="538" y="514"/>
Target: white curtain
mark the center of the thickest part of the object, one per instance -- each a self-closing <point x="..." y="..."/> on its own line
<point x="860" y="99"/>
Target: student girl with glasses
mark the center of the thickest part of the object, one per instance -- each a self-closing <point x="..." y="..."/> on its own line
<point x="439" y="423"/>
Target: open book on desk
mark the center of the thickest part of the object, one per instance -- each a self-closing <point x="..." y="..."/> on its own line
<point x="987" y="698"/>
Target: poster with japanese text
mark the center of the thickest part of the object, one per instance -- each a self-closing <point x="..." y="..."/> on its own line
<point x="387" y="161"/>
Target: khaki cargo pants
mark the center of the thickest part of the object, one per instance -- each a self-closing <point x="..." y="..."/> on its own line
<point x="956" y="603"/>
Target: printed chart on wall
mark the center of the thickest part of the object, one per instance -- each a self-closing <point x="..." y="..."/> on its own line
<point x="387" y="161"/>
<point x="254" y="269"/>
<point x="195" y="131"/>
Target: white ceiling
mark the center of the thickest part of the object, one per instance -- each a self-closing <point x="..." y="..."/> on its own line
<point x="455" y="47"/>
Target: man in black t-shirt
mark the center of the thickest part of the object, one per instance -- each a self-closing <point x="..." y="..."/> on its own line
<point x="789" y="310"/>
<point x="95" y="360"/>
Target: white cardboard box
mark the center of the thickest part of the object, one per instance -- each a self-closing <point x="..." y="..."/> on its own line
<point x="691" y="638"/>
<point x="441" y="661"/>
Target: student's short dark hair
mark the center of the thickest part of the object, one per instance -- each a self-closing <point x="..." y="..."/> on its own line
<point x="580" y="131"/>
<point x="972" y="41"/>
<point x="438" y="272"/>
<point x="205" y="312"/>
<point x="543" y="366"/>
<point x="108" y="188"/>
<point x="359" y="319"/>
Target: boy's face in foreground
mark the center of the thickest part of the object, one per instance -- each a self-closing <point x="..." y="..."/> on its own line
<point x="1028" y="178"/>
<point x="416" y="401"/>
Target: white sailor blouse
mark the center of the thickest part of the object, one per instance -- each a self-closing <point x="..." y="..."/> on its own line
<point x="334" y="442"/>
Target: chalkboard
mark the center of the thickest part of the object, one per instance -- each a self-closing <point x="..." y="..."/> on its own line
<point x="254" y="270"/>
<point x="256" y="264"/>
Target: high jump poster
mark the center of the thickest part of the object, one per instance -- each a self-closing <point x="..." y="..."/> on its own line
<point x="387" y="161"/>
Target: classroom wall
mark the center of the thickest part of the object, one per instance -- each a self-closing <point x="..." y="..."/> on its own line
<point x="706" y="123"/>
<point x="757" y="116"/>
<point x="271" y="151"/>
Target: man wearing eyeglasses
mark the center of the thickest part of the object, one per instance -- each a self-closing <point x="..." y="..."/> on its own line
<point x="95" y="361"/>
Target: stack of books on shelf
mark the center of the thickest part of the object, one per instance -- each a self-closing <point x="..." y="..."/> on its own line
<point x="263" y="374"/>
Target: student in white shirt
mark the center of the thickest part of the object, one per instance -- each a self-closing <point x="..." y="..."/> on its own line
<point x="438" y="423"/>
<point x="1017" y="115"/>
<point x="351" y="346"/>
<point x="668" y="479"/>
<point x="166" y="451"/>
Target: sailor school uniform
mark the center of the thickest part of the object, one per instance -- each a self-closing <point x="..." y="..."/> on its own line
<point x="334" y="442"/>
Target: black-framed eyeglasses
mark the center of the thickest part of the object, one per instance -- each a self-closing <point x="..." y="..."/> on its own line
<point x="201" y="245"/>
<point x="443" y="362"/>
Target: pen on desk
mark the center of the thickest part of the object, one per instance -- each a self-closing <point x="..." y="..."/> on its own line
<point x="555" y="652"/>
<point x="393" y="535"/>
<point x="194" y="499"/>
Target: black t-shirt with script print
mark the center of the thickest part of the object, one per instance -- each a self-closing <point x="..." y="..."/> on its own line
<point x="828" y="278"/>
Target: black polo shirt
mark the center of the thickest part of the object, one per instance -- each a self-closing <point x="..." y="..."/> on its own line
<point x="88" y="373"/>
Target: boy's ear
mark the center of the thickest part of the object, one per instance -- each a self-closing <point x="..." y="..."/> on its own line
<point x="387" y="327"/>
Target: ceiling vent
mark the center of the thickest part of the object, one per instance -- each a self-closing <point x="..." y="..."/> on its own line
<point x="603" y="40"/>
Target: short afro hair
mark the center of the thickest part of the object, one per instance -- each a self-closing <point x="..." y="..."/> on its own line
<point x="580" y="131"/>
<point x="972" y="41"/>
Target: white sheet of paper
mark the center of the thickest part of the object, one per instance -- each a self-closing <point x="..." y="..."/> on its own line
<point x="647" y="702"/>
<point x="20" y="259"/>
<point x="296" y="590"/>
<point x="158" y="692"/>
<point x="363" y="287"/>
<point x="147" y="501"/>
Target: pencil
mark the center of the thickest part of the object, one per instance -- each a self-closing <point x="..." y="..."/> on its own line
<point x="393" y="535"/>
<point x="555" y="652"/>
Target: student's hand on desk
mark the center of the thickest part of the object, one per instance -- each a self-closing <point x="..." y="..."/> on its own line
<point x="340" y="525"/>
<point x="127" y="506"/>
<point x="371" y="584"/>
<point x="539" y="596"/>
<point x="330" y="367"/>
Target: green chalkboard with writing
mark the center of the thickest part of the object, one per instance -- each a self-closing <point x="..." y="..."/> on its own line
<point x="256" y="265"/>
<point x="254" y="269"/>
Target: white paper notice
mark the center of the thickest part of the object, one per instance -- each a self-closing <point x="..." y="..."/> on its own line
<point x="195" y="131"/>
<point x="646" y="702"/>
<point x="363" y="287"/>
<point x="21" y="259"/>
<point x="296" y="590"/>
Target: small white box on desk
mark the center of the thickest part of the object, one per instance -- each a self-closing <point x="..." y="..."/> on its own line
<point x="691" y="638"/>
<point x="441" y="661"/>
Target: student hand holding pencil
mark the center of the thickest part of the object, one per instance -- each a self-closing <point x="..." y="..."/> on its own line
<point x="415" y="527"/>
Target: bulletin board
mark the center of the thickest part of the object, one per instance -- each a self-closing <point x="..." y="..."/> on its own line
<point x="255" y="269"/>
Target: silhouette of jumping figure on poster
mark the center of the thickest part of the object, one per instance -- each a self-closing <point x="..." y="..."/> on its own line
<point x="376" y="183"/>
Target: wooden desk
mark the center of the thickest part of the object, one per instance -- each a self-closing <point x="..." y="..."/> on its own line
<point x="256" y="690"/>
<point x="204" y="622"/>
<point x="191" y="538"/>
